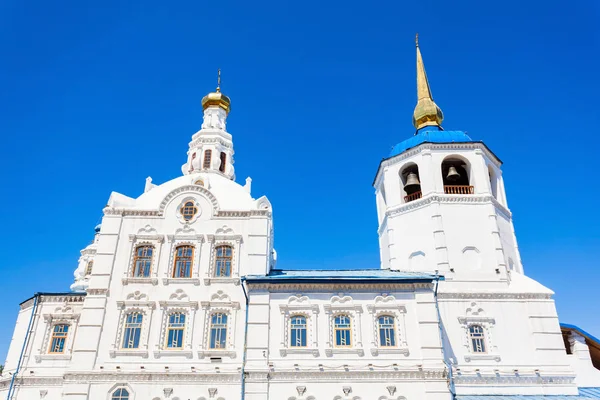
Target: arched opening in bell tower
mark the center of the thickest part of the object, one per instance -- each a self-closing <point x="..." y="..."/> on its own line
<point x="409" y="176"/>
<point x="455" y="175"/>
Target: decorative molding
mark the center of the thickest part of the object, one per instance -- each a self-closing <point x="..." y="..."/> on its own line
<point x="193" y="189"/>
<point x="131" y="280"/>
<point x="375" y="351"/>
<point x="298" y="350"/>
<point x="329" y="352"/>
<point x="445" y="199"/>
<point x="217" y="353"/>
<point x="128" y="353"/>
<point x="483" y="356"/>
<point x="182" y="281"/>
<point x="494" y="296"/>
<point x="173" y="353"/>
<point x="218" y="280"/>
<point x="356" y="375"/>
<point x="514" y="380"/>
<point x="336" y="287"/>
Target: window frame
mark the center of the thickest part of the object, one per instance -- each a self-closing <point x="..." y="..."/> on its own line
<point x="113" y="394"/>
<point x="188" y="210"/>
<point x="386" y="329"/>
<point x="54" y="336"/>
<point x="88" y="268"/>
<point x="223" y="258"/>
<point x="137" y="257"/>
<point x="344" y="305"/>
<point x="388" y="305"/>
<point x="346" y="328"/>
<point x="222" y="330"/>
<point x="223" y="162"/>
<point x="135" y="302"/>
<point x="299" y="305"/>
<point x="177" y="257"/>
<point x="176" y="328"/>
<point x="227" y="238"/>
<point x="127" y="329"/>
<point x="303" y="328"/>
<point x="481" y="347"/>
<point x="220" y="302"/>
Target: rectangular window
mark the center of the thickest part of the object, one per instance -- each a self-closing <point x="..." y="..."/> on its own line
<point x="387" y="335"/>
<point x="142" y="261"/>
<point x="175" y="331"/>
<point x="183" y="262"/>
<point x="298" y="331"/>
<point x="223" y="261"/>
<point x="342" y="331"/>
<point x="218" y="331"/>
<point x="477" y="336"/>
<point x="132" y="330"/>
<point x="59" y="338"/>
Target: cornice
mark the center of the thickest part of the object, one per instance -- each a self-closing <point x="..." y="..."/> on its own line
<point x="154" y="213"/>
<point x="518" y="380"/>
<point x="446" y="199"/>
<point x="336" y="287"/>
<point x="322" y="374"/>
<point x="494" y="296"/>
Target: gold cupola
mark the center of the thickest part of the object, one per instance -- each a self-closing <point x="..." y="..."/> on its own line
<point x="426" y="113"/>
<point x="216" y="98"/>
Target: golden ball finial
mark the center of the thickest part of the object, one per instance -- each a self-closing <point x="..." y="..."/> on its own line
<point x="216" y="98"/>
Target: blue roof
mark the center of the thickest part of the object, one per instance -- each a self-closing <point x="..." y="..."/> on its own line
<point x="430" y="135"/>
<point x="587" y="335"/>
<point x="584" y="393"/>
<point x="342" y="275"/>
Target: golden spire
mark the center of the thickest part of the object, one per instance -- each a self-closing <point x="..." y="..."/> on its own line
<point x="216" y="98"/>
<point x="426" y="113"/>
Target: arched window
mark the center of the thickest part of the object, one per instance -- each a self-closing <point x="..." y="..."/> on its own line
<point x="298" y="331"/>
<point x="224" y="257"/>
<point x="477" y="337"/>
<point x="223" y="162"/>
<point x="410" y="182"/>
<point x="88" y="268"/>
<point x="188" y="210"/>
<point x="184" y="256"/>
<point x="218" y="331"/>
<point x="142" y="262"/>
<point x="59" y="338"/>
<point x="207" y="158"/>
<point x="175" y="330"/>
<point x="132" y="330"/>
<point x="342" y="331"/>
<point x="120" y="394"/>
<point x="387" y="331"/>
<point x="456" y="177"/>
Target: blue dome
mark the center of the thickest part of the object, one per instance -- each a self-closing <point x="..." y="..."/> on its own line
<point x="430" y="135"/>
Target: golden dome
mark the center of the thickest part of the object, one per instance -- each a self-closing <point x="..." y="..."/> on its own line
<point x="217" y="99"/>
<point x="426" y="113"/>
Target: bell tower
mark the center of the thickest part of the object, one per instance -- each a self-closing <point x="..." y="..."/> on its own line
<point x="441" y="204"/>
<point x="211" y="148"/>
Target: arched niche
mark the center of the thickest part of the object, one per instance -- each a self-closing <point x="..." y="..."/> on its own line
<point x="456" y="175"/>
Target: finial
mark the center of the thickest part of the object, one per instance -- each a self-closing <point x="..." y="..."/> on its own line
<point x="426" y="113"/>
<point x="218" y="80"/>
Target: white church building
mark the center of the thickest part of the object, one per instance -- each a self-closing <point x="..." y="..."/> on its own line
<point x="178" y="296"/>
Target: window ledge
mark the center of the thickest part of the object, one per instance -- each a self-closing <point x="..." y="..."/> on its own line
<point x="40" y="357"/>
<point x="482" y="356"/>
<point x="209" y="281"/>
<point x="192" y="281"/>
<point x="217" y="353"/>
<point x="129" y="352"/>
<point x="130" y="279"/>
<point x="335" y="350"/>
<point x="289" y="350"/>
<point x="390" y="350"/>
<point x="173" y="353"/>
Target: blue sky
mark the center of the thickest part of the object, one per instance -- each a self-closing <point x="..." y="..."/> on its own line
<point x="95" y="98"/>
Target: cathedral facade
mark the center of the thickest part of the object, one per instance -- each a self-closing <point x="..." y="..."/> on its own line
<point x="179" y="297"/>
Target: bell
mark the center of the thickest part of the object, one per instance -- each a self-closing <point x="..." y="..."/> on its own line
<point x="453" y="174"/>
<point x="412" y="182"/>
